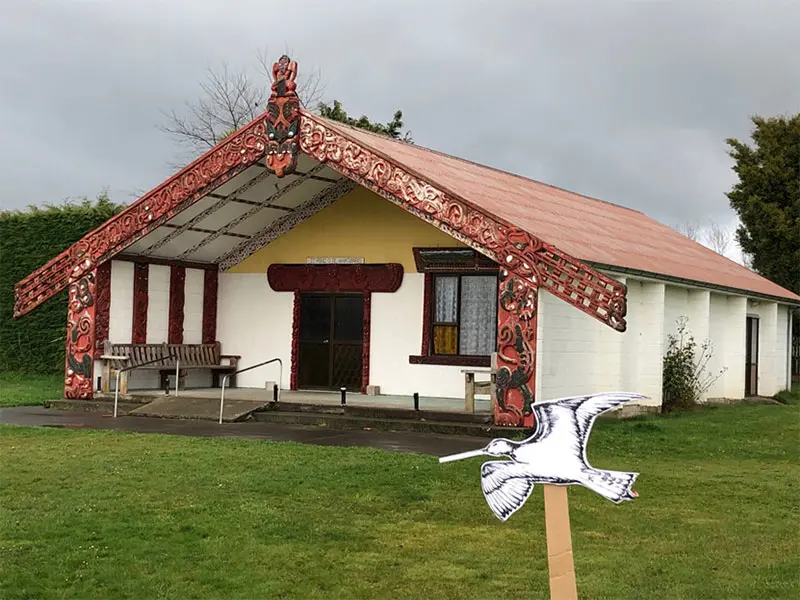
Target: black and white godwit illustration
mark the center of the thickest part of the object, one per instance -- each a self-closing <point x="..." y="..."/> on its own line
<point x="554" y="454"/>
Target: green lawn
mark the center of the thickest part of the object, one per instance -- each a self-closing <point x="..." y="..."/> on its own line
<point x="87" y="514"/>
<point x="17" y="389"/>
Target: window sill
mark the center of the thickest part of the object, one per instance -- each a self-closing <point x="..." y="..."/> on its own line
<point x="452" y="361"/>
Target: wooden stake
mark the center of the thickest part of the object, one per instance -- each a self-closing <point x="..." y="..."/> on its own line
<point x="559" y="544"/>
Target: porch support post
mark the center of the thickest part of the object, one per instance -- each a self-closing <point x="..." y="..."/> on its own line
<point x="80" y="338"/>
<point x="515" y="379"/>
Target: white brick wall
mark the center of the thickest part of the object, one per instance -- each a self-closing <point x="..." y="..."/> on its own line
<point x="734" y="349"/>
<point x="782" y="349"/>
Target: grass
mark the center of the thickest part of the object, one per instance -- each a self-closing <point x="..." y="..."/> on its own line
<point x="99" y="514"/>
<point x="17" y="389"/>
<point x="791" y="396"/>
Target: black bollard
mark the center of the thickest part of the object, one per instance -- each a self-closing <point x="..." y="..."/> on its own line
<point x="343" y="392"/>
<point x="275" y="393"/>
<point x="416" y="401"/>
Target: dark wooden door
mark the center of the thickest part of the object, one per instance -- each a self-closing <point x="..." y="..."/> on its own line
<point x="331" y="339"/>
<point x="751" y="358"/>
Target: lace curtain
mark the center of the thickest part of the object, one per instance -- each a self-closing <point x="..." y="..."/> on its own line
<point x="478" y="315"/>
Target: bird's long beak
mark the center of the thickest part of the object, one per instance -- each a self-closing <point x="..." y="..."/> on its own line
<point x="460" y="455"/>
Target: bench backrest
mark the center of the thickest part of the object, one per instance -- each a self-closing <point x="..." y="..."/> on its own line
<point x="188" y="354"/>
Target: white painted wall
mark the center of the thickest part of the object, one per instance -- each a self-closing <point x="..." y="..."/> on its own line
<point x="120" y="318"/>
<point x="396" y="334"/>
<point x="193" y="307"/>
<point x="735" y="342"/>
<point x="782" y="357"/>
<point x="158" y="304"/>
<point x="717" y="328"/>
<point x="255" y="322"/>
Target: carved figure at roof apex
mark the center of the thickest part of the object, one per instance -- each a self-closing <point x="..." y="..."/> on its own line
<point x="283" y="74"/>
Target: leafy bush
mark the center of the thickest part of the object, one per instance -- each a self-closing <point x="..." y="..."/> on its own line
<point x="28" y="239"/>
<point x="684" y="377"/>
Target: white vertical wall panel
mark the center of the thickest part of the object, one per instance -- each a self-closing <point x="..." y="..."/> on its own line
<point x="193" y="307"/>
<point x="158" y="304"/>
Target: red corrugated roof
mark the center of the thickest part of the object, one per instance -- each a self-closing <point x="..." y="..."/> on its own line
<point x="589" y="229"/>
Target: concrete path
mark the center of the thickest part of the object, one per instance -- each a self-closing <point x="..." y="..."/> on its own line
<point x="422" y="443"/>
<point x="187" y="407"/>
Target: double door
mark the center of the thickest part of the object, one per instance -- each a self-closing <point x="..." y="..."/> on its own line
<point x="751" y="358"/>
<point x="331" y="340"/>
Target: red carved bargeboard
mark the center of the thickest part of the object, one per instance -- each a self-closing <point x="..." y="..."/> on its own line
<point x="208" y="172"/>
<point x="531" y="262"/>
<point x="102" y="310"/>
<point x="80" y="338"/>
<point x="335" y="277"/>
<point x="177" y="292"/>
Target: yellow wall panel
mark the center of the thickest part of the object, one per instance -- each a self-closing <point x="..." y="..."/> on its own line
<point x="360" y="224"/>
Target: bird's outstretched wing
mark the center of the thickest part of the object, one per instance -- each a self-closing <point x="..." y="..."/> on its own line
<point x="586" y="408"/>
<point x="506" y="486"/>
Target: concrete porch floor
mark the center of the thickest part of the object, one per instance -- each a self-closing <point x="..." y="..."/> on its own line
<point x="327" y="398"/>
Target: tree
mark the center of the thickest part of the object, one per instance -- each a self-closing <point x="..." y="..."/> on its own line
<point x="689" y="229"/>
<point x="717" y="238"/>
<point x="767" y="198"/>
<point x="229" y="100"/>
<point x="392" y="128"/>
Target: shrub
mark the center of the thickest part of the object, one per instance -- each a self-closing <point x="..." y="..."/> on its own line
<point x="685" y="377"/>
<point x="28" y="239"/>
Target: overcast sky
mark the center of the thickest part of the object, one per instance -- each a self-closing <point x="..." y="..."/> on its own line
<point x="628" y="101"/>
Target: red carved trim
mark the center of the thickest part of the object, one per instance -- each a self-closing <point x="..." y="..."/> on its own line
<point x="517" y="306"/>
<point x="80" y="338"/>
<point x="335" y="278"/>
<point x="141" y="276"/>
<point x="220" y="164"/>
<point x="451" y="361"/>
<point x="210" y="287"/>
<point x="427" y="307"/>
<point x="366" y="333"/>
<point x="177" y="293"/>
<point x="524" y="255"/>
<point x="295" y="340"/>
<point x="102" y="311"/>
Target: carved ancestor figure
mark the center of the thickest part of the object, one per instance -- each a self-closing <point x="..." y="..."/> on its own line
<point x="283" y="118"/>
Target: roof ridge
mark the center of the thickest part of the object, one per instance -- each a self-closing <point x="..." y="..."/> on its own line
<point x="477" y="164"/>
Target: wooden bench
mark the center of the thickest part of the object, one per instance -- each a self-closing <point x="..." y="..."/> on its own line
<point x="472" y="387"/>
<point x="191" y="356"/>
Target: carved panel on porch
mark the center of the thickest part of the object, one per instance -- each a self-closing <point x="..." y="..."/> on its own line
<point x="80" y="338"/>
<point x="102" y="306"/>
<point x="517" y="305"/>
<point x="335" y="277"/>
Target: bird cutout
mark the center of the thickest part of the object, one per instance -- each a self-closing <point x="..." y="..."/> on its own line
<point x="554" y="454"/>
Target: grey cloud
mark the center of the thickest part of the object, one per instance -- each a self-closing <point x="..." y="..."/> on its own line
<point x="629" y="102"/>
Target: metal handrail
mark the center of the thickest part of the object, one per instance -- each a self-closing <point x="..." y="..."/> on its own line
<point x="149" y="362"/>
<point x="266" y="362"/>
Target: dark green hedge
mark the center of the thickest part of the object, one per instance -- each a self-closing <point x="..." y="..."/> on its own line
<point x="28" y="239"/>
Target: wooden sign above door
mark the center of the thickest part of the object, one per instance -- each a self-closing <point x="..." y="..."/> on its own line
<point x="335" y="277"/>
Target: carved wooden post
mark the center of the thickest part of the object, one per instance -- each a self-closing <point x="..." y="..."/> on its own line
<point x="80" y="338"/>
<point x="515" y="379"/>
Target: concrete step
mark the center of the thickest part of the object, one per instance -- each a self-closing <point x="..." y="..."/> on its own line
<point x="377" y="412"/>
<point x="350" y="421"/>
<point x="105" y="407"/>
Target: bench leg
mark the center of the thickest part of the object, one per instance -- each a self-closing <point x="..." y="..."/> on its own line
<point x="105" y="384"/>
<point x="469" y="393"/>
